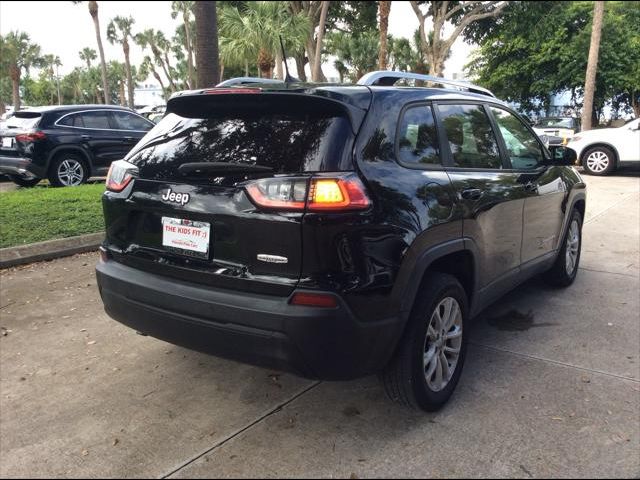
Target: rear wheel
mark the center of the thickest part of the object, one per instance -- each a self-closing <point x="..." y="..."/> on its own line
<point x="68" y="169"/>
<point x="599" y="161"/>
<point x="565" y="268"/>
<point x="24" y="182"/>
<point x="427" y="366"/>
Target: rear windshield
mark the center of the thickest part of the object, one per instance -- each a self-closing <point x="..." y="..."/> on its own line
<point x="286" y="142"/>
<point x="24" y="120"/>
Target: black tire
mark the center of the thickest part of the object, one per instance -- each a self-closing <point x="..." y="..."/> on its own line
<point x="405" y="378"/>
<point x="24" y="182"/>
<point x="68" y="169"/>
<point x="599" y="160"/>
<point x="563" y="272"/>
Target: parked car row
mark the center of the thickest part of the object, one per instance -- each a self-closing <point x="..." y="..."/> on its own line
<point x="67" y="144"/>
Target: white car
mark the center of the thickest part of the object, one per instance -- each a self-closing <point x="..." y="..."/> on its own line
<point x="563" y="127"/>
<point x="601" y="151"/>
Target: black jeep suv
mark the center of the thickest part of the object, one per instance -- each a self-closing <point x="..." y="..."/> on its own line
<point x="67" y="144"/>
<point x="335" y="231"/>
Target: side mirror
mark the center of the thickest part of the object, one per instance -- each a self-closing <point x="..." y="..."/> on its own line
<point x="561" y="155"/>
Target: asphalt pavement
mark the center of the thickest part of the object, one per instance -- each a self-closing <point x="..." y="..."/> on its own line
<point x="551" y="386"/>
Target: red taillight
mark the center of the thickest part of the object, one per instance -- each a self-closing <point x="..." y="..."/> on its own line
<point x="314" y="300"/>
<point x="30" y="136"/>
<point x="318" y="194"/>
<point x="120" y="175"/>
<point x="219" y="91"/>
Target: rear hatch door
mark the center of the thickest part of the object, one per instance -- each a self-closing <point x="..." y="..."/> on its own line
<point x="188" y="214"/>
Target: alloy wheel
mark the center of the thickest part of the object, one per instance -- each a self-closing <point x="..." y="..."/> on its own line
<point x="70" y="172"/>
<point x="442" y="344"/>
<point x="572" y="248"/>
<point x="598" y="161"/>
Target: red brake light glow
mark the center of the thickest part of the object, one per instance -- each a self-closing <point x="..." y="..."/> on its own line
<point x="318" y="194"/>
<point x="30" y="136"/>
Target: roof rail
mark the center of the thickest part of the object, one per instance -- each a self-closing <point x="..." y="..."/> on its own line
<point x="388" y="78"/>
<point x="246" y="80"/>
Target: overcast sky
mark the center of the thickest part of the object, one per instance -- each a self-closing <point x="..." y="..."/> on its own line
<point x="63" y="28"/>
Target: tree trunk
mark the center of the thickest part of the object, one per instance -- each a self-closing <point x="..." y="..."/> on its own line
<point x="221" y="71"/>
<point x="187" y="34"/>
<point x="592" y="66"/>
<point x="14" y="71"/>
<point x="302" y="75"/>
<point x="384" y="8"/>
<point x="127" y="66"/>
<point x="123" y="98"/>
<point x="316" y="72"/>
<point x="206" y="43"/>
<point x="93" y="10"/>
<point x="246" y="68"/>
<point x="264" y="63"/>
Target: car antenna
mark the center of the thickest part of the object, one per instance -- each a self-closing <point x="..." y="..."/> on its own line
<point x="288" y="78"/>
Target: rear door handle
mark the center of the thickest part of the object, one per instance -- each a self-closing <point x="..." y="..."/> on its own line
<point x="471" y="193"/>
<point x="129" y="139"/>
<point x="85" y="137"/>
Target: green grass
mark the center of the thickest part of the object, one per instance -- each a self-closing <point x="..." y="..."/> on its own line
<point x="29" y="215"/>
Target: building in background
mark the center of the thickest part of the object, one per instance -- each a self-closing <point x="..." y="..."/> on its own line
<point x="148" y="94"/>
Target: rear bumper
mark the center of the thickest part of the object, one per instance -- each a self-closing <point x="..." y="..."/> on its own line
<point x="329" y="344"/>
<point x="22" y="167"/>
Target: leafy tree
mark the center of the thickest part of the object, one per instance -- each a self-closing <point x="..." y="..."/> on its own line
<point x="93" y="11"/>
<point x="155" y="41"/>
<point x="541" y="48"/>
<point x="254" y="34"/>
<point x="18" y="54"/>
<point x="435" y="45"/>
<point x="50" y="63"/>
<point x="354" y="52"/>
<point x="119" y="31"/>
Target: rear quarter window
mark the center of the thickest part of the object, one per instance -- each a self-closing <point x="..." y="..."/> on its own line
<point x="287" y="143"/>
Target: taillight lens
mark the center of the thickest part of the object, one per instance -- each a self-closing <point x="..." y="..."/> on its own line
<point x="120" y="175"/>
<point x="326" y="193"/>
<point x="30" y="136"/>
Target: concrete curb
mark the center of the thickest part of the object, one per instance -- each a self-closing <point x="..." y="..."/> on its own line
<point x="37" y="252"/>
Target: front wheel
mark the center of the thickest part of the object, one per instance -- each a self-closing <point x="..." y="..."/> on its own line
<point x="67" y="170"/>
<point x="24" y="182"/>
<point x="564" y="270"/>
<point x="427" y="365"/>
<point x="599" y="161"/>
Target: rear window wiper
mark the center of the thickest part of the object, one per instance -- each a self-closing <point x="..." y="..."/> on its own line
<point x="220" y="168"/>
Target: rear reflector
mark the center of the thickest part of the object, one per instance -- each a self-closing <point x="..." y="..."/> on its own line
<point x="314" y="300"/>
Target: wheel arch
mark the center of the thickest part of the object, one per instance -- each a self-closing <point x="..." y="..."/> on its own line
<point x="73" y="149"/>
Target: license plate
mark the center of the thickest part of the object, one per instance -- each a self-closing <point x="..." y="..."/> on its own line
<point x="7" y="142"/>
<point x="186" y="237"/>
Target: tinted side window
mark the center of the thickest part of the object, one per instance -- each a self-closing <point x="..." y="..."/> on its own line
<point x="523" y="148"/>
<point x="417" y="137"/>
<point x="470" y="137"/>
<point x="73" y="120"/>
<point x="98" y="120"/>
<point x="129" y="121"/>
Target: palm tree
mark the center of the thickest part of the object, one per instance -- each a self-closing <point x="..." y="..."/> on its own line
<point x="119" y="30"/>
<point x="49" y="62"/>
<point x="185" y="8"/>
<point x="316" y="72"/>
<point x="207" y="57"/>
<point x="384" y="7"/>
<point x="116" y="73"/>
<point x="592" y="66"/>
<point x="147" y="66"/>
<point x="254" y="34"/>
<point x="155" y="41"/>
<point x="18" y="53"/>
<point x="87" y="55"/>
<point x="93" y="11"/>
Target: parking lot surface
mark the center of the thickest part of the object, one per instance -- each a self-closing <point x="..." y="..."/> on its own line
<point x="551" y="386"/>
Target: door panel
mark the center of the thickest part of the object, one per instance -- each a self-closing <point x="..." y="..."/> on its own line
<point x="543" y="187"/>
<point x="491" y="197"/>
<point x="106" y="144"/>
